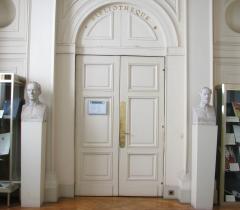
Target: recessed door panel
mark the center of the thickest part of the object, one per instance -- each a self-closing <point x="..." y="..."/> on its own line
<point x="146" y="120"/>
<point x="137" y="172"/>
<point x="143" y="77"/>
<point x="98" y="76"/>
<point x="96" y="166"/>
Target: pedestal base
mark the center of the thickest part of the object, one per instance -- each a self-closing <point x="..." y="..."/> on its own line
<point x="33" y="163"/>
<point x="204" y="145"/>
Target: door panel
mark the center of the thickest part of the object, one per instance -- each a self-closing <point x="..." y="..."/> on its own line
<point x="104" y="167"/>
<point x="141" y="160"/>
<point x="138" y="119"/>
<point x="97" y="134"/>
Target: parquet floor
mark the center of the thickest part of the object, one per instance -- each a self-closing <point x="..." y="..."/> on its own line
<point x="114" y="203"/>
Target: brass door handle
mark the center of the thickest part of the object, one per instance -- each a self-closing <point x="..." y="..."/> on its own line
<point x="126" y="133"/>
<point x="122" y="126"/>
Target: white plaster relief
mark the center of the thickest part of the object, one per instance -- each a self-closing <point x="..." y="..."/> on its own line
<point x="232" y="15"/>
<point x="133" y="10"/>
<point x="17" y="30"/>
<point x="173" y="4"/>
<point x="224" y="36"/>
<point x="7" y="12"/>
<point x="132" y="23"/>
<point x="81" y="9"/>
<point x="141" y="26"/>
<point x="172" y="7"/>
<point x="14" y="26"/>
<point x="67" y="5"/>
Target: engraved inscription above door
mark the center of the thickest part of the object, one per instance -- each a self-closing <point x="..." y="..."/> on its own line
<point x="103" y="167"/>
<point x="121" y="25"/>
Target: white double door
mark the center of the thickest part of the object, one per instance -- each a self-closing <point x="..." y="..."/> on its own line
<point x="119" y="126"/>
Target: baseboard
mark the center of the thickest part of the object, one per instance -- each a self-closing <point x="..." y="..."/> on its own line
<point x="66" y="191"/>
<point x="170" y="192"/>
<point x="184" y="193"/>
<point x="31" y="203"/>
<point x="51" y="188"/>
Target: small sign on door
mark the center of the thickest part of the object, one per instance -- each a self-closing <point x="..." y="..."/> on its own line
<point x="97" y="107"/>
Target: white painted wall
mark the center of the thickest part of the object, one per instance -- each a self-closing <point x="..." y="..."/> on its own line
<point x="200" y="54"/>
<point x="41" y="61"/>
<point x="41" y="69"/>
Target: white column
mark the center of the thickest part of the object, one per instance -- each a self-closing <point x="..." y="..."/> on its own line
<point x="33" y="151"/>
<point x="64" y="122"/>
<point x="200" y="52"/>
<point x="175" y="133"/>
<point x="204" y="145"/>
<point x="41" y="69"/>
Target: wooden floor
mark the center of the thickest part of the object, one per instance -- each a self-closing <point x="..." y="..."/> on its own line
<point x="113" y="203"/>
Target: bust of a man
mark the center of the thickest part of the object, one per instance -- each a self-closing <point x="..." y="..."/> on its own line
<point x="34" y="110"/>
<point x="204" y="113"/>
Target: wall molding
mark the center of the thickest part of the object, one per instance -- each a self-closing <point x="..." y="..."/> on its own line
<point x="225" y="39"/>
<point x="227" y="50"/>
<point x="14" y="63"/>
<point x="18" y="29"/>
<point x="226" y="70"/>
<point x="71" y="49"/>
<point x="13" y="47"/>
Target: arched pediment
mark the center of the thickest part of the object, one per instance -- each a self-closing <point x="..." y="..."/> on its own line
<point x="120" y="25"/>
<point x="143" y="24"/>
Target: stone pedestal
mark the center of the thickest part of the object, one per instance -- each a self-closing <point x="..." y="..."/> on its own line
<point x="33" y="149"/>
<point x="204" y="145"/>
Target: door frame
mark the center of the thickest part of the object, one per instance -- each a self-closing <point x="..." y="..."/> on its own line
<point x="164" y="113"/>
<point x="173" y="24"/>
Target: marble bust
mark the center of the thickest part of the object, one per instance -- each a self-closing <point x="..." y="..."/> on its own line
<point x="34" y="110"/>
<point x="204" y="113"/>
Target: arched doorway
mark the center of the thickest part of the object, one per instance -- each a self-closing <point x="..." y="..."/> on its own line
<point x="119" y="105"/>
<point x="114" y="32"/>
